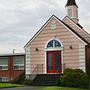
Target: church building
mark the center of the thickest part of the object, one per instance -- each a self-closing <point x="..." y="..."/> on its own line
<point x="59" y="44"/>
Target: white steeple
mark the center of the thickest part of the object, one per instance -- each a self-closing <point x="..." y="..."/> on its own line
<point x="72" y="10"/>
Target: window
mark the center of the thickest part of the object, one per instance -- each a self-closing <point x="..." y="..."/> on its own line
<point x="4" y="79"/>
<point x="3" y="63"/>
<point x="50" y="44"/>
<point x="19" y="67"/>
<point x="0" y="79"/>
<point x="57" y="44"/>
<point x="53" y="43"/>
<point x="76" y="13"/>
<point x="70" y="12"/>
<point x="18" y="62"/>
<point x="58" y="63"/>
<point x="3" y="67"/>
<point x="50" y="62"/>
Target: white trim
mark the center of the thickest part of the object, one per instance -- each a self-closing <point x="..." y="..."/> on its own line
<point x="39" y="32"/>
<point x="18" y="64"/>
<point x="82" y="64"/>
<point x="27" y="68"/>
<point x="73" y="8"/>
<point x="76" y="25"/>
<point x="62" y="52"/>
<point x="73" y="18"/>
<point x="46" y="25"/>
<point x="45" y="62"/>
<point x="4" y="67"/>
<point x="53" y="49"/>
<point x="53" y="39"/>
<point x="5" y="79"/>
<point x="19" y="67"/>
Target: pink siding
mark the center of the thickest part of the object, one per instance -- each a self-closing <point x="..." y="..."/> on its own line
<point x="82" y="33"/>
<point x="71" y="56"/>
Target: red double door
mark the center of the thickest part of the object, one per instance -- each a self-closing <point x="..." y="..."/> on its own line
<point x="54" y="62"/>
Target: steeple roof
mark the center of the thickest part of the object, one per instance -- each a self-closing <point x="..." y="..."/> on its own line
<point x="71" y="2"/>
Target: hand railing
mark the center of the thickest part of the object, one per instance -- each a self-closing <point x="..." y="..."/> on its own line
<point x="38" y="69"/>
<point x="61" y="67"/>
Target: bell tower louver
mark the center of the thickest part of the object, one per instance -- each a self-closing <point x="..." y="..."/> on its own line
<point x="72" y="10"/>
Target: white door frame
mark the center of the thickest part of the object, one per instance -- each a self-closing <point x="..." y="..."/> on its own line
<point x="53" y="49"/>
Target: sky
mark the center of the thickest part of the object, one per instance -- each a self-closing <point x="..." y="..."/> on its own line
<point x="21" y="19"/>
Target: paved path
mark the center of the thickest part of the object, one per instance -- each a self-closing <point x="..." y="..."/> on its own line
<point x="27" y="88"/>
<point x="9" y="89"/>
<point x="21" y="88"/>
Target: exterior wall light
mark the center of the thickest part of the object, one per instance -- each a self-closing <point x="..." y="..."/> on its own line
<point x="71" y="47"/>
<point x="37" y="49"/>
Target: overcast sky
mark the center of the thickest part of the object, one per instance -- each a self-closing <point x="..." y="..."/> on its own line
<point x="20" y="19"/>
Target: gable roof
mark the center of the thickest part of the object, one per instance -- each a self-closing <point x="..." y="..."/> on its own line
<point x="38" y="31"/>
<point x="81" y="32"/>
<point x="67" y="26"/>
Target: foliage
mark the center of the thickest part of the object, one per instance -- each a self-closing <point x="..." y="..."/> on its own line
<point x="27" y="82"/>
<point x="20" y="79"/>
<point x="74" y="78"/>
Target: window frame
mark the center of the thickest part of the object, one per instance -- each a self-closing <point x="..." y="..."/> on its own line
<point x="20" y="67"/>
<point x="70" y="12"/>
<point x="53" y="44"/>
<point x="4" y="66"/>
<point x="4" y="79"/>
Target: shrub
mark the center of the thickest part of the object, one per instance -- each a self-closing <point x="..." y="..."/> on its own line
<point x="19" y="80"/>
<point x="74" y="78"/>
<point x="27" y="82"/>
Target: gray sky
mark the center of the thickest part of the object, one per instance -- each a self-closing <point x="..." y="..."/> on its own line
<point x="20" y="19"/>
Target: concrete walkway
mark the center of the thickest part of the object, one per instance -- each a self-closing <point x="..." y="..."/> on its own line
<point x="9" y="89"/>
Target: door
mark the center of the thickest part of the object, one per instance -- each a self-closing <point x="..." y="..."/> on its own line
<point x="54" y="62"/>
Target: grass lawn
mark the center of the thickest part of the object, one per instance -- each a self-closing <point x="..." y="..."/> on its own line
<point x="8" y="85"/>
<point x="60" y="88"/>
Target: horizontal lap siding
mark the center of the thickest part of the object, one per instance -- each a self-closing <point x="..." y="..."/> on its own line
<point x="65" y="36"/>
<point x="81" y="45"/>
<point x="82" y="61"/>
<point x="71" y="57"/>
<point x="82" y="33"/>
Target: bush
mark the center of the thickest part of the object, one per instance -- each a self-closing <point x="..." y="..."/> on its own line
<point x="27" y="82"/>
<point x="74" y="78"/>
<point x="19" y="80"/>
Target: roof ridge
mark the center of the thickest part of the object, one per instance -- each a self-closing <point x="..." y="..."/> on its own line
<point x="34" y="36"/>
<point x="80" y="27"/>
<point x="75" y="32"/>
<point x="39" y="30"/>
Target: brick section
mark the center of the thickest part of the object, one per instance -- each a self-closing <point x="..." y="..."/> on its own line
<point x="11" y="73"/>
